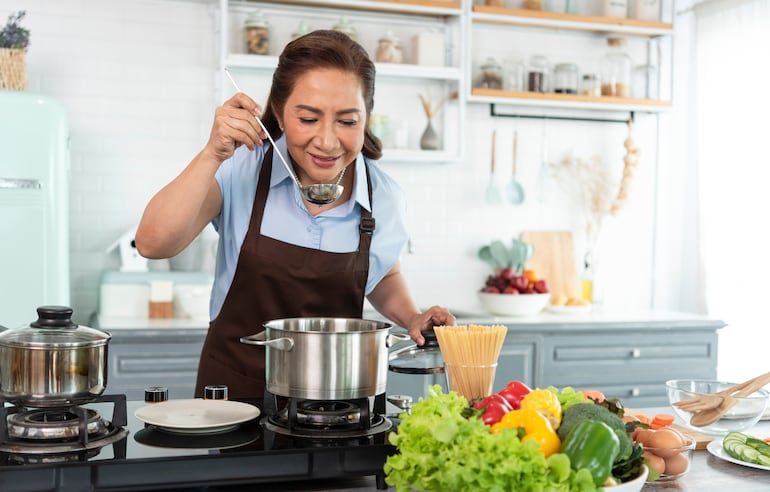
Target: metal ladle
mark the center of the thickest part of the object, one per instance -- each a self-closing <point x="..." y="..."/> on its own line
<point x="317" y="194"/>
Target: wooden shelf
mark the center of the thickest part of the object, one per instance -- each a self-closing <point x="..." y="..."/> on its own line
<point x="420" y="7"/>
<point x="571" y="101"/>
<point x="555" y="20"/>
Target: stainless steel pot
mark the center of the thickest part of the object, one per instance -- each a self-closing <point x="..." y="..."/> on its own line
<point x="325" y="358"/>
<point x="53" y="362"/>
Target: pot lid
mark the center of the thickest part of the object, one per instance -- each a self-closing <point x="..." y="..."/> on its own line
<point x="54" y="329"/>
<point x="415" y="359"/>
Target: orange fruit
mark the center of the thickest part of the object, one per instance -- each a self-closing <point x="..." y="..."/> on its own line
<point x="531" y="275"/>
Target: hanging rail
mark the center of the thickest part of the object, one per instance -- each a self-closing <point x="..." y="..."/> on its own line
<point x="493" y="112"/>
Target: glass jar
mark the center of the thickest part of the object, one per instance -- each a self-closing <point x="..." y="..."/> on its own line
<point x="533" y="4"/>
<point x="515" y="74"/>
<point x="565" y="78"/>
<point x="616" y="73"/>
<point x="495" y="3"/>
<point x="647" y="10"/>
<point x="559" y="6"/>
<point x="389" y="49"/>
<point x="644" y="84"/>
<point x="256" y="32"/>
<point x="591" y="85"/>
<point x="344" y="26"/>
<point x="537" y="74"/>
<point x="615" y="8"/>
<point x="491" y="75"/>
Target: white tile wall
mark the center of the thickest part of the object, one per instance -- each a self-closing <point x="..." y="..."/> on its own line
<point x="137" y="80"/>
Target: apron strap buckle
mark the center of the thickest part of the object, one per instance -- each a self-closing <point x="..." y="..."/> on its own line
<point x="367" y="225"/>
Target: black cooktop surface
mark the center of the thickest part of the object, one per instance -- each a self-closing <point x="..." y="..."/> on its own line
<point x="150" y="458"/>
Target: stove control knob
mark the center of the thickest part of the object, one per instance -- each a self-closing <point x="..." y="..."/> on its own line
<point x="155" y="394"/>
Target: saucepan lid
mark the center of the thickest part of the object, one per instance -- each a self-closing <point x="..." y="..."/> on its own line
<point x="414" y="359"/>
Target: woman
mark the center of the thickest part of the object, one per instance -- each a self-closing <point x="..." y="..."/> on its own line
<point x="280" y="256"/>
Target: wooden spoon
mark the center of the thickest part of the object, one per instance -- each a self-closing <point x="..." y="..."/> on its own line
<point x="705" y="402"/>
<point x="709" y="416"/>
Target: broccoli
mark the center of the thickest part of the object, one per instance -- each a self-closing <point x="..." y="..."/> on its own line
<point x="590" y="411"/>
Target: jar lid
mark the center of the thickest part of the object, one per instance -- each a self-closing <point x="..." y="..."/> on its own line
<point x="343" y="25"/>
<point x="390" y="36"/>
<point x="616" y="41"/>
<point x="302" y="29"/>
<point x="414" y="359"/>
<point x="566" y="67"/>
<point x="256" y="19"/>
<point x="54" y="329"/>
<point x="491" y="63"/>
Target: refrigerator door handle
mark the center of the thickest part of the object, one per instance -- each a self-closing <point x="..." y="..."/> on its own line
<point x="14" y="183"/>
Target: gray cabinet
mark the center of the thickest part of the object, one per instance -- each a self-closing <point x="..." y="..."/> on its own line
<point x="142" y="358"/>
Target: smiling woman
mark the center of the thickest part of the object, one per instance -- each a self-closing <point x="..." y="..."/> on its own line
<point x="281" y="255"/>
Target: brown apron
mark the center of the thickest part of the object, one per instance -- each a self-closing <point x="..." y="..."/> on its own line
<point x="275" y="280"/>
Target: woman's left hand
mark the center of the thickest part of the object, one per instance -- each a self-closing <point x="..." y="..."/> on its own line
<point x="435" y="316"/>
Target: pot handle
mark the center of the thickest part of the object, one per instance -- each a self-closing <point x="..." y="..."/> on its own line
<point x="285" y="344"/>
<point x="396" y="337"/>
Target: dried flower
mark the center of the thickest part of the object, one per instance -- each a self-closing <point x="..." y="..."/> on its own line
<point x="13" y="35"/>
<point x="592" y="186"/>
<point x="427" y="106"/>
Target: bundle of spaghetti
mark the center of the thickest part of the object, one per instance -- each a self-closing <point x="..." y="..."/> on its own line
<point x="470" y="354"/>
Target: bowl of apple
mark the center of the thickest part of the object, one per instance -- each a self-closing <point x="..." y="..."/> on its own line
<point x="510" y="293"/>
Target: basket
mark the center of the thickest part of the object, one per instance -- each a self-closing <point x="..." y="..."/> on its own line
<point x="13" y="70"/>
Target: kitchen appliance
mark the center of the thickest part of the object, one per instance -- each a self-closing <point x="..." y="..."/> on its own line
<point x="149" y="458"/>
<point x="34" y="205"/>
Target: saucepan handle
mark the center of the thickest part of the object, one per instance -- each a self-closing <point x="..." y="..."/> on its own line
<point x="285" y="344"/>
<point x="396" y="337"/>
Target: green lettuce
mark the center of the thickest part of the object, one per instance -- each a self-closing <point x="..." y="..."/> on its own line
<point x="441" y="450"/>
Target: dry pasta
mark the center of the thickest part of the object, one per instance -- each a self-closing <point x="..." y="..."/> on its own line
<point x="470" y="357"/>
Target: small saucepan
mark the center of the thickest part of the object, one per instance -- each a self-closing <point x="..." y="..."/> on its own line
<point x="53" y="362"/>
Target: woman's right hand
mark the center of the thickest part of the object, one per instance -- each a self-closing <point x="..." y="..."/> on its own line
<point x="235" y="123"/>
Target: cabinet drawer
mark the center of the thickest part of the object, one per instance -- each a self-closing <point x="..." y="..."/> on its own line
<point x="612" y="355"/>
<point x="517" y="361"/>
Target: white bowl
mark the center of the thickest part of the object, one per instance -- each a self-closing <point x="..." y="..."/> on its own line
<point x="634" y="485"/>
<point x="514" y="304"/>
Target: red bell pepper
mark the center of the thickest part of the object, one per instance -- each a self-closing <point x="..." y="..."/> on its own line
<point x="514" y="392"/>
<point x="494" y="407"/>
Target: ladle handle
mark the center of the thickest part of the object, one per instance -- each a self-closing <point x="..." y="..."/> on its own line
<point x="269" y="137"/>
<point x="738" y="387"/>
<point x="754" y="385"/>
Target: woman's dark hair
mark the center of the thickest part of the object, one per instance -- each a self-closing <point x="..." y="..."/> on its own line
<point x="322" y="49"/>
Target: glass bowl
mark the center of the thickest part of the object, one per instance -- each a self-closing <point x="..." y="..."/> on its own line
<point x="514" y="304"/>
<point x="743" y="415"/>
<point x="674" y="462"/>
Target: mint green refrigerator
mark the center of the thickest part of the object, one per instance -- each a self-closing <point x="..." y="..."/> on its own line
<point x="34" y="206"/>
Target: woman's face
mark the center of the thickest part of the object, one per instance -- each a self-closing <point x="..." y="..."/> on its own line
<point x="324" y="121"/>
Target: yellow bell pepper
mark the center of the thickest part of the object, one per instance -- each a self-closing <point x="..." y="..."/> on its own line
<point x="545" y="402"/>
<point x="536" y="428"/>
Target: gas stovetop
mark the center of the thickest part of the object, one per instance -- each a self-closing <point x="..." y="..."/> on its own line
<point x="149" y="458"/>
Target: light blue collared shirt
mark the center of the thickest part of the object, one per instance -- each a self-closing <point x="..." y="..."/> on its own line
<point x="287" y="219"/>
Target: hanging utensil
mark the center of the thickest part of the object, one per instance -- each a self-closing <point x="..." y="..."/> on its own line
<point x="493" y="195"/>
<point x="317" y="194"/>
<point x="514" y="191"/>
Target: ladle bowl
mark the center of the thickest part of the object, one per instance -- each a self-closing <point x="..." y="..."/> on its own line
<point x="318" y="194"/>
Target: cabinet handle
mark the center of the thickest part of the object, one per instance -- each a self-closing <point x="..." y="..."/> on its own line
<point x="636" y="353"/>
<point x="635" y="392"/>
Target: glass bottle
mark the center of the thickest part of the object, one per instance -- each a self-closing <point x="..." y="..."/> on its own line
<point x="587" y="279"/>
<point x="616" y="73"/>
<point x="256" y="32"/>
<point x="565" y="78"/>
<point x="537" y="75"/>
<point x="647" y="10"/>
<point x="491" y="75"/>
<point x="344" y="26"/>
<point x="591" y="85"/>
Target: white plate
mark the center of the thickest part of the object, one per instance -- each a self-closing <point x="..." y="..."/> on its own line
<point x="568" y="309"/>
<point x="715" y="448"/>
<point x="197" y="416"/>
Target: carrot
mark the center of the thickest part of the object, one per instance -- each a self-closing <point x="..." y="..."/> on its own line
<point x="661" y="420"/>
<point x="644" y="419"/>
<point x="594" y="395"/>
